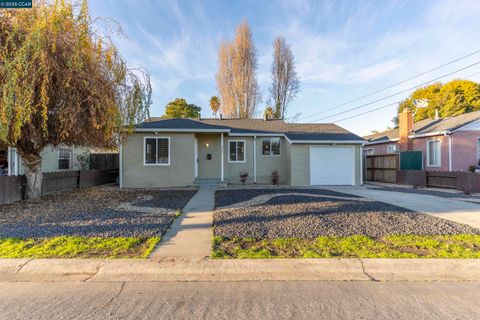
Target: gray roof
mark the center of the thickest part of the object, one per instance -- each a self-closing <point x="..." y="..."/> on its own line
<point x="427" y="126"/>
<point x="293" y="131"/>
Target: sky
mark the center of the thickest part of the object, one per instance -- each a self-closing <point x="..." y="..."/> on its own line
<point x="343" y="49"/>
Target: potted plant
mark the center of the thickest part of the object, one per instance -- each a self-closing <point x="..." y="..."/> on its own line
<point x="243" y="176"/>
<point x="275" y="177"/>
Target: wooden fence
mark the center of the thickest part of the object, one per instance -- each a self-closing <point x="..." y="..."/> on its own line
<point x="464" y="181"/>
<point x="13" y="188"/>
<point x="382" y="168"/>
<point x="104" y="161"/>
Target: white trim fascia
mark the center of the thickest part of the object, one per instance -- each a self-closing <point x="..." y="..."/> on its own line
<point x="381" y="142"/>
<point x="120" y="165"/>
<point x="430" y="134"/>
<point x="257" y="135"/>
<point x="244" y="151"/>
<point x="183" y="130"/>
<point x="156" y="164"/>
<point x="327" y="142"/>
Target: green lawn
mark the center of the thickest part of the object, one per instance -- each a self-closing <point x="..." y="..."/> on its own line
<point x="392" y="246"/>
<point x="77" y="247"/>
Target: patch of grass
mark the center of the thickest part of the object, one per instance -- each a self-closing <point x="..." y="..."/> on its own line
<point x="392" y="246"/>
<point x="77" y="247"/>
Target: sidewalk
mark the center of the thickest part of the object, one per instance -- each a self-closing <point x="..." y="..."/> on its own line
<point x="213" y="270"/>
<point x="446" y="208"/>
<point x="190" y="235"/>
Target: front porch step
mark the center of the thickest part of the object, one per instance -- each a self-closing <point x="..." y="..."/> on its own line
<point x="209" y="181"/>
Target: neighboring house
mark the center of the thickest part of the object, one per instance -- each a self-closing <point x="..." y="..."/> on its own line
<point x="448" y="144"/>
<point x="180" y="152"/>
<point x="53" y="159"/>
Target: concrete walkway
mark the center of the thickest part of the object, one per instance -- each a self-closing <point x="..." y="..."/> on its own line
<point x="446" y="208"/>
<point x="190" y="235"/>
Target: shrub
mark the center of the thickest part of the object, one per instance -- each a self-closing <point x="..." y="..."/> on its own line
<point x="472" y="168"/>
<point x="275" y="177"/>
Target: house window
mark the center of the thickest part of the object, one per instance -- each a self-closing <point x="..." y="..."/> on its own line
<point x="391" y="148"/>
<point x="236" y="151"/>
<point x="433" y="153"/>
<point x="271" y="147"/>
<point x="65" y="156"/>
<point x="157" y="151"/>
<point x="368" y="152"/>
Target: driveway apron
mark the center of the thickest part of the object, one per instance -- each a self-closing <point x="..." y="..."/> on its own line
<point x="454" y="210"/>
<point x="190" y="236"/>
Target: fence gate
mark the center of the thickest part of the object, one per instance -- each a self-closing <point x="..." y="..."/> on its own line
<point x="411" y="160"/>
<point x="382" y="168"/>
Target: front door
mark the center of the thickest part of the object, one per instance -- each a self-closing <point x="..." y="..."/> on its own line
<point x="209" y="157"/>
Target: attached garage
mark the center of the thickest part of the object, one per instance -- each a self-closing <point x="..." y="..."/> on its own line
<point x="332" y="165"/>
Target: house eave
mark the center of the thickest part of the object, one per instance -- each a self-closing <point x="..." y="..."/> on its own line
<point x="381" y="142"/>
<point x="325" y="141"/>
<point x="430" y="134"/>
<point x="183" y="130"/>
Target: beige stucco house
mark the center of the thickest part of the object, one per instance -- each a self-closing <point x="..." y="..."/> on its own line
<point x="182" y="152"/>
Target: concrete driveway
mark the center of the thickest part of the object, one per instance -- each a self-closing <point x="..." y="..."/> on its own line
<point x="450" y="209"/>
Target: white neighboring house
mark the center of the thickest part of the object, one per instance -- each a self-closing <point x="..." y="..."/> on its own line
<point x="53" y="159"/>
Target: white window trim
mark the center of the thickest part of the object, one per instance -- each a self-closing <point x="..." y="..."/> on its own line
<point x="366" y="150"/>
<point x="244" y="151"/>
<point x="144" y="152"/>
<point x="270" y="141"/>
<point x="70" y="160"/>
<point x="394" y="146"/>
<point x="439" y="154"/>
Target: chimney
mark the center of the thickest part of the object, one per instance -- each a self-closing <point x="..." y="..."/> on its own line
<point x="265" y="116"/>
<point x="437" y="114"/>
<point x="405" y="128"/>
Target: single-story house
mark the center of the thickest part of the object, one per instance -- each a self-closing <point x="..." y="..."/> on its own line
<point x="53" y="159"/>
<point x="448" y="144"/>
<point x="181" y="152"/>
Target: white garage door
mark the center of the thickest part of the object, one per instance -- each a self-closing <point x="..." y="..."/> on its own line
<point x="332" y="165"/>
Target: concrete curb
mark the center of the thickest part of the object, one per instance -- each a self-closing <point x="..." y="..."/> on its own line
<point x="75" y="270"/>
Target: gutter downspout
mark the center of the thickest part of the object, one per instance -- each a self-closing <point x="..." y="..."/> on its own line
<point x="254" y="159"/>
<point x="9" y="158"/>
<point x="450" y="160"/>
<point x="221" y="156"/>
<point x="361" y="158"/>
<point x="120" y="164"/>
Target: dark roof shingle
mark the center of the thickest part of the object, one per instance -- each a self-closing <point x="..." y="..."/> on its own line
<point x="294" y="131"/>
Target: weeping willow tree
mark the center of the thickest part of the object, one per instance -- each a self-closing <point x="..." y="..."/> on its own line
<point x="63" y="83"/>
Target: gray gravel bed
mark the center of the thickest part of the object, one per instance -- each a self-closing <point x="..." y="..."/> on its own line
<point x="94" y="212"/>
<point x="307" y="217"/>
<point x="225" y="198"/>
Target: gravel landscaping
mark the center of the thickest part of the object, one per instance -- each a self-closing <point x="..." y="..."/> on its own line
<point x="297" y="214"/>
<point x="96" y="212"/>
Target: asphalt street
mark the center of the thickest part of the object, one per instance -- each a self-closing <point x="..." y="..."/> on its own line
<point x="240" y="300"/>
